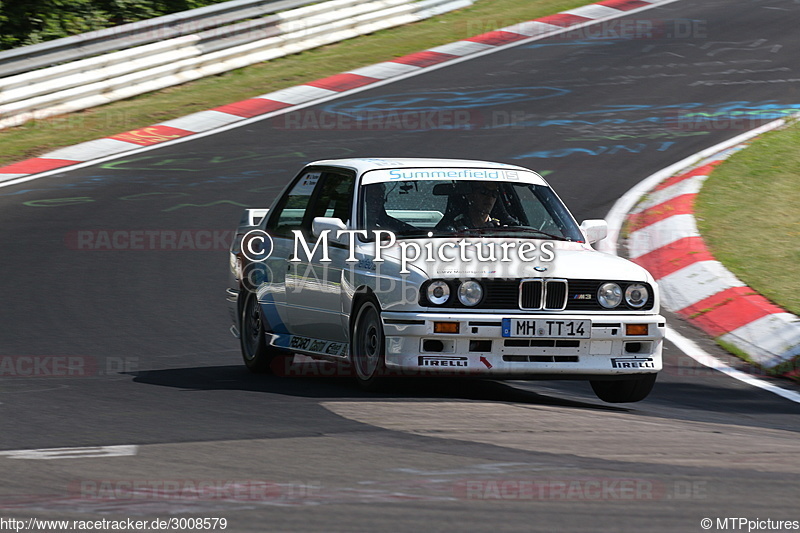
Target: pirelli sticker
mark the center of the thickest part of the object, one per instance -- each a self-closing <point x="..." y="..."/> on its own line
<point x="443" y="361"/>
<point x="632" y="362"/>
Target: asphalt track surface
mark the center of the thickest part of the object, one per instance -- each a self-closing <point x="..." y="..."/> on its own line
<point x="148" y="328"/>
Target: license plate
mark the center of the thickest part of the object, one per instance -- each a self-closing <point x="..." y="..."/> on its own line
<point x="547" y="328"/>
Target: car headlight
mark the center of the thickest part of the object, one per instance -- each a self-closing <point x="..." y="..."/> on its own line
<point x="438" y="292"/>
<point x="636" y="295"/>
<point x="470" y="293"/>
<point x="609" y="295"/>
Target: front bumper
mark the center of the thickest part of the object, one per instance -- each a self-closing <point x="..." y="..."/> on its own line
<point x="479" y="348"/>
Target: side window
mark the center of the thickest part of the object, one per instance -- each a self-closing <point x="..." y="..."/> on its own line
<point x="334" y="199"/>
<point x="290" y="211"/>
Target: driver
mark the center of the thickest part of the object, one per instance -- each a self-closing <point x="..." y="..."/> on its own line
<point x="473" y="209"/>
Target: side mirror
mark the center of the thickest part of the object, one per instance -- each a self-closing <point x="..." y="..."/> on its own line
<point x="594" y="230"/>
<point x="320" y="224"/>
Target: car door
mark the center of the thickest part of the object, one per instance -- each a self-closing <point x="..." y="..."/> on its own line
<point x="286" y="216"/>
<point x="314" y="286"/>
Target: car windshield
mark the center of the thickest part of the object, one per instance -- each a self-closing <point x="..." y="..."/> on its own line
<point x="443" y="208"/>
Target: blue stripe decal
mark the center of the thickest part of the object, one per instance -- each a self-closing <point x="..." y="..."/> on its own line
<point x="270" y="312"/>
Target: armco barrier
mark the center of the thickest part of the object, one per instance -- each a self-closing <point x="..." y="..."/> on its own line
<point x="139" y="69"/>
<point x="93" y="43"/>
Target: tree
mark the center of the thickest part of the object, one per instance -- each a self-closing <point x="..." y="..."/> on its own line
<point x="24" y="22"/>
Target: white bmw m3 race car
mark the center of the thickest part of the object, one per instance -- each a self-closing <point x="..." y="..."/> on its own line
<point x="427" y="267"/>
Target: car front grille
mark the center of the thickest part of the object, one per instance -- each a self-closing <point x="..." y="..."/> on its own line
<point x="531" y="292"/>
<point x="546" y="294"/>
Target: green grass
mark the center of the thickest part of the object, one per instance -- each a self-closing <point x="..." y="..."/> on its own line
<point x="37" y="137"/>
<point x="744" y="356"/>
<point x="749" y="215"/>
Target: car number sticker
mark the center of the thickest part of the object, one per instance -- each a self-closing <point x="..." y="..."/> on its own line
<point x="306" y="185"/>
<point x="546" y="328"/>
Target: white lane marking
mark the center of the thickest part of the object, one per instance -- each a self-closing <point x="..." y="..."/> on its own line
<point x="8" y="177"/>
<point x="266" y="116"/>
<point x="691" y="349"/>
<point x="72" y="453"/>
<point x="487" y="468"/>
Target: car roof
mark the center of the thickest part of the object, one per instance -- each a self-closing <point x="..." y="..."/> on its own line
<point x="361" y="165"/>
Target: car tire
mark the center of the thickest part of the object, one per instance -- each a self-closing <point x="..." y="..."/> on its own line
<point x="258" y="355"/>
<point x="625" y="390"/>
<point x="368" y="346"/>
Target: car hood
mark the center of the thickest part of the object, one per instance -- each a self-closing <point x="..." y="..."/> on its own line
<point x="569" y="260"/>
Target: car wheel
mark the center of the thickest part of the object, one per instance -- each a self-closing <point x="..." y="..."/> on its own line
<point x="256" y="352"/>
<point x="625" y="390"/>
<point x="367" y="346"/>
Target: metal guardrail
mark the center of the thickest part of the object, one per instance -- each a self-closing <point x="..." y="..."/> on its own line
<point x="27" y="58"/>
<point x="145" y="62"/>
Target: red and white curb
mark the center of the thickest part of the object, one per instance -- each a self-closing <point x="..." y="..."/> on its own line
<point x="663" y="237"/>
<point x="284" y="100"/>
